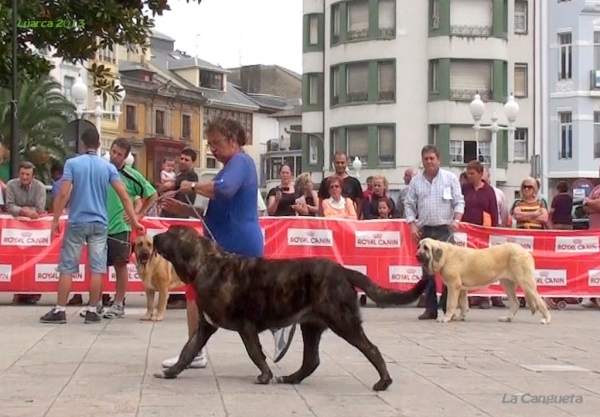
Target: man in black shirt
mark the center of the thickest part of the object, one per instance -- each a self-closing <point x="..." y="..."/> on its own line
<point x="351" y="187"/>
<point x="186" y="173"/>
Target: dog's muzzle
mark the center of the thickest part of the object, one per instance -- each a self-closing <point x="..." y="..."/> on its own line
<point x="422" y="258"/>
<point x="144" y="257"/>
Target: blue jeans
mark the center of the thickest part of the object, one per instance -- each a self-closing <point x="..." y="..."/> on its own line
<point x="77" y="235"/>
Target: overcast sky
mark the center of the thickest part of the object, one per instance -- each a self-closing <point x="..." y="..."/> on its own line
<point x="265" y="31"/>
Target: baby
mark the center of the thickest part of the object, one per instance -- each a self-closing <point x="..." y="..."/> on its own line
<point x="167" y="175"/>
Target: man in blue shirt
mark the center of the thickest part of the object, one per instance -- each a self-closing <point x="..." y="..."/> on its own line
<point x="84" y="185"/>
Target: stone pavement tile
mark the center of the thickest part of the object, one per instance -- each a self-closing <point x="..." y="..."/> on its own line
<point x="340" y="385"/>
<point x="17" y="391"/>
<point x="38" y="368"/>
<point x="470" y="385"/>
<point x="494" y="406"/>
<point x="23" y="411"/>
<point x="431" y="403"/>
<point x="588" y="407"/>
<point x="325" y="404"/>
<point x="134" y="368"/>
<point x="189" y="382"/>
<point x="84" y="410"/>
<point x="543" y="383"/>
<point x="276" y="404"/>
<point x="585" y="381"/>
<point x="243" y="384"/>
<point x="189" y="410"/>
<point x="121" y="394"/>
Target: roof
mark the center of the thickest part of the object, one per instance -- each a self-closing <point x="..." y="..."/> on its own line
<point x="159" y="35"/>
<point x="270" y="102"/>
<point x="167" y="62"/>
<point x="284" y="69"/>
<point x="293" y="112"/>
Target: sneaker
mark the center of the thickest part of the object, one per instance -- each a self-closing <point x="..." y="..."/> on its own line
<point x="199" y="361"/>
<point x="99" y="309"/>
<point x="114" y="312"/>
<point x="92" y="316"/>
<point x="54" y="316"/>
<point x="283" y="340"/>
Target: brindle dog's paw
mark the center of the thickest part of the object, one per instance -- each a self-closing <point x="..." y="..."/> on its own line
<point x="288" y="379"/>
<point x="164" y="375"/>
<point x="382" y="385"/>
<point x="263" y="379"/>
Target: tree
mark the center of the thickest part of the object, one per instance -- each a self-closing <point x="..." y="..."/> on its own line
<point x="76" y="30"/>
<point x="43" y="114"/>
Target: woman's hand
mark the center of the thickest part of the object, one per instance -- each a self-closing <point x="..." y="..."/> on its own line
<point x="301" y="208"/>
<point x="187" y="187"/>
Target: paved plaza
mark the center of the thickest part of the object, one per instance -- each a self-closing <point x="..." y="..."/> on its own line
<point x="464" y="369"/>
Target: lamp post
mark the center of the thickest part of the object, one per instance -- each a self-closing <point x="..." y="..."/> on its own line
<point x="79" y="91"/>
<point x="15" y="148"/>
<point x="511" y="110"/>
<point x="357" y="165"/>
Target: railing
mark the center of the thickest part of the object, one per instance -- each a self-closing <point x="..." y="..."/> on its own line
<point x="471" y="30"/>
<point x="387" y="95"/>
<point x="461" y="94"/>
<point x="388" y="32"/>
<point x="358" y="34"/>
<point x="357" y="97"/>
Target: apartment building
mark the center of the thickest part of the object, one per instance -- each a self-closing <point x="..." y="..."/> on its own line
<point x="383" y="78"/>
<point x="571" y="77"/>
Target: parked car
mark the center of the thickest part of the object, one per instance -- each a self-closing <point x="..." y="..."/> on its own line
<point x="580" y="217"/>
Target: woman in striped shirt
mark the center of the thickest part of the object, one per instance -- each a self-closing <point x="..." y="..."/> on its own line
<point x="530" y="211"/>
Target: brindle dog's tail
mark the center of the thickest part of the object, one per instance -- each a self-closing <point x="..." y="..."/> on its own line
<point x="383" y="296"/>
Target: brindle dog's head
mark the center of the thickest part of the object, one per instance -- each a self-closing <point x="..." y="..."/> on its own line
<point x="430" y="255"/>
<point x="143" y="249"/>
<point x="185" y="248"/>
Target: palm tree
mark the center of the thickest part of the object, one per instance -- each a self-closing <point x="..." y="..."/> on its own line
<point x="43" y="113"/>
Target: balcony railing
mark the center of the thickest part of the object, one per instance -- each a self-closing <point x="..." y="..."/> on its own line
<point x="389" y="32"/>
<point x="358" y="34"/>
<point x="474" y="31"/>
<point x="357" y="97"/>
<point x="461" y="94"/>
<point x="387" y="95"/>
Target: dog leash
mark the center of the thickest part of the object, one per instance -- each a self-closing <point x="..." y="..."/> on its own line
<point x="206" y="228"/>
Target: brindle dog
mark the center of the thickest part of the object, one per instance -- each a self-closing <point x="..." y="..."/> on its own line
<point x="250" y="296"/>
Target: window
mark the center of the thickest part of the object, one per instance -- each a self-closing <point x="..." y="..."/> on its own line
<point x="520" y="149"/>
<point x="468" y="78"/>
<point x="472" y="18"/>
<point x="596" y="134"/>
<point x="109" y="105"/>
<point x="521" y="85"/>
<point x="186" y="126"/>
<point x="211" y="162"/>
<point x="387" y="80"/>
<point x="313" y="30"/>
<point x="467" y="145"/>
<point x="313" y="150"/>
<point x="435" y="14"/>
<point x="159" y="122"/>
<point x="387" y="17"/>
<point x="335" y="23"/>
<point x="565" y="56"/>
<point x="274" y="165"/>
<point x="520" y="16"/>
<point x="67" y="86"/>
<point x="358" y="19"/>
<point x="357" y="143"/>
<point x="212" y="80"/>
<point x="385" y="145"/>
<point x="434" y="76"/>
<point x="335" y="86"/>
<point x="566" y="135"/>
<point x="597" y="51"/>
<point x="244" y="118"/>
<point x="313" y="89"/>
<point x="106" y="54"/>
<point x="130" y="118"/>
<point x="357" y="88"/>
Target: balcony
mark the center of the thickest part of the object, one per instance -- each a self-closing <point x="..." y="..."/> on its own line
<point x="595" y="80"/>
<point x="462" y="94"/>
<point x="472" y="31"/>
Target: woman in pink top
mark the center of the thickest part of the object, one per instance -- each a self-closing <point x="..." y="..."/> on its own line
<point x="337" y="206"/>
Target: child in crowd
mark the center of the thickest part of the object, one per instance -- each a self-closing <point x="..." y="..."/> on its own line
<point x="167" y="175"/>
<point x="384" y="208"/>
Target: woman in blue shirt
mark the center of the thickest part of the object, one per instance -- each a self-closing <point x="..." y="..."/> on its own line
<point x="232" y="212"/>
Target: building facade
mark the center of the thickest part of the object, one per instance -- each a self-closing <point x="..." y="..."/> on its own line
<point x="380" y="82"/>
<point x="572" y="83"/>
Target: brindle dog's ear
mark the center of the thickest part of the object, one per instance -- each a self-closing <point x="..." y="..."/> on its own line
<point x="437" y="254"/>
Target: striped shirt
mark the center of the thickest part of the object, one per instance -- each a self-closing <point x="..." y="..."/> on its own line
<point x="434" y="203"/>
<point x="529" y="208"/>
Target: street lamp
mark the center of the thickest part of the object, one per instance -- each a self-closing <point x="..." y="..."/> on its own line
<point x="511" y="110"/>
<point x="357" y="165"/>
<point x="79" y="92"/>
<point x="128" y="161"/>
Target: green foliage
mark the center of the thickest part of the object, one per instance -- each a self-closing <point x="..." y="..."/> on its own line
<point x="93" y="25"/>
<point x="43" y="113"/>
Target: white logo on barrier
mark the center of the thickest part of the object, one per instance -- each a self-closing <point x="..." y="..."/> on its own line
<point x="594" y="278"/>
<point x="310" y="237"/>
<point x="551" y="277"/>
<point x="405" y="274"/>
<point x="358" y="268"/>
<point x="153" y="232"/>
<point x="48" y="273"/>
<point x="264" y="235"/>
<point x="131" y="270"/>
<point x="525" y="241"/>
<point x="460" y="239"/>
<point x="374" y="239"/>
<point x="25" y="237"/>
<point x="5" y="273"/>
<point x="581" y="244"/>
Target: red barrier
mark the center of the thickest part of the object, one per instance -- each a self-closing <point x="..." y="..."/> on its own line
<point x="568" y="262"/>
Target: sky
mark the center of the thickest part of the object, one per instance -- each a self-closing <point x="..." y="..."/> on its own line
<point x="225" y="32"/>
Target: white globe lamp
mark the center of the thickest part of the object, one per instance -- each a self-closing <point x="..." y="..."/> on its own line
<point x="106" y="156"/>
<point x="79" y="91"/>
<point x="357" y="165"/>
<point x="511" y="109"/>
<point x="129" y="160"/>
<point x="477" y="108"/>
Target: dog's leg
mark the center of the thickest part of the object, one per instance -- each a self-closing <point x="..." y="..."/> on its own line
<point x="163" y="297"/>
<point x="510" y="288"/>
<point x="190" y="350"/>
<point x="249" y="336"/>
<point x="463" y="302"/>
<point x="311" y="336"/>
<point x="149" y="304"/>
<point x="452" y="302"/>
<point x="536" y="302"/>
